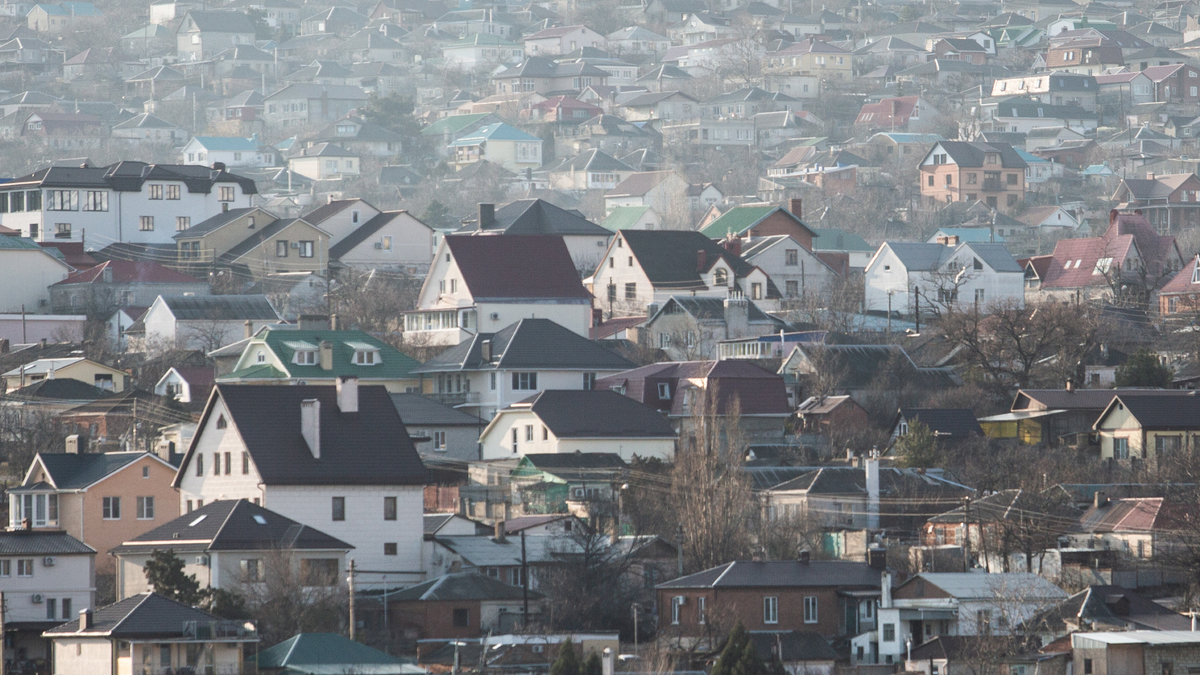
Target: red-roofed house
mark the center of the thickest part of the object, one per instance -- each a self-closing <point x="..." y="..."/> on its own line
<point x="1140" y="527"/>
<point x="1175" y="84"/>
<point x="1182" y="293"/>
<point x="1170" y="202"/>
<point x="120" y="283"/>
<point x="904" y="113"/>
<point x="562" y="109"/>
<point x="1131" y="251"/>
<point x="482" y="283"/>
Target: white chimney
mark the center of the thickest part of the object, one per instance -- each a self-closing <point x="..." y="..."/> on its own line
<point x="347" y="394"/>
<point x="310" y="425"/>
<point x="885" y="588"/>
<point x="872" y="470"/>
<point x="606" y="662"/>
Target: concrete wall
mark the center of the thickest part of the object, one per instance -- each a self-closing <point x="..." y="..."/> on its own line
<point x="497" y="441"/>
<point x="26" y="275"/>
<point x="83" y="656"/>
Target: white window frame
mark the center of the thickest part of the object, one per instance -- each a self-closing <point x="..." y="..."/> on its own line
<point x="770" y="609"/>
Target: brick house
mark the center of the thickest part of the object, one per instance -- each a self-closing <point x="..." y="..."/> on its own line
<point x="461" y="605"/>
<point x="958" y="171"/>
<point x="831" y="597"/>
<point x="1179" y="295"/>
<point x="1177" y="83"/>
<point x="1170" y="202"/>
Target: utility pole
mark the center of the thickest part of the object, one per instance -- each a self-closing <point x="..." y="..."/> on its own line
<point x="967" y="533"/>
<point x="353" y="617"/>
<point x="917" y="307"/>
<point x="524" y="584"/>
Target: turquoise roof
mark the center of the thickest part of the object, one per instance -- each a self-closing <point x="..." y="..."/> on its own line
<point x="1029" y="158"/>
<point x="10" y="243"/>
<point x="1098" y="170"/>
<point x="228" y="143"/>
<point x="913" y="138"/>
<point x="969" y="235"/>
<point x="496" y="132"/>
<point x="452" y="123"/>
<point x="71" y="9"/>
<point x="837" y="239"/>
<point x="390" y="364"/>
<point x="330" y="654"/>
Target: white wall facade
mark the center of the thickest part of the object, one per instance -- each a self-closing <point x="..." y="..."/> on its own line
<point x="67" y="577"/>
<point x="25" y="275"/>
<point x="404" y="243"/>
<point x="887" y="272"/>
<point x="497" y="440"/>
<point x="492" y="390"/>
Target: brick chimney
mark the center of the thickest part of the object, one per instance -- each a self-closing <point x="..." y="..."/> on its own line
<point x="701" y="260"/>
<point x="796" y="206"/>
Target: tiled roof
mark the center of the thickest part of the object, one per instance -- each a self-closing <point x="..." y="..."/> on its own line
<point x="1185" y="281"/>
<point x="38" y="543"/>
<point x="529" y="344"/>
<point x="234" y="525"/>
<point x="145" y="615"/>
<point x="69" y="471"/>
<point x="517" y="266"/>
<point x="609" y="415"/>
<point x="540" y="217"/>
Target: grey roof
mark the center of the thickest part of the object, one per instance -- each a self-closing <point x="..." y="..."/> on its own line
<point x="972" y="154"/>
<point x="33" y="542"/>
<point x="851" y="481"/>
<point x="461" y="586"/>
<point x="996" y="256"/>
<point x="609" y="415"/>
<point x="69" y="471"/>
<point x="61" y="389"/>
<point x="791" y="646"/>
<point x="537" y="216"/>
<point x="1083" y="399"/>
<point x="317" y="91"/>
<point x="780" y="574"/>
<point x="145" y="615"/>
<point x="529" y="344"/>
<point x="1157" y="412"/>
<point x="417" y="410"/>
<point x="219" y="307"/>
<point x="966" y="585"/>
<point x="484" y="551"/>
<point x="594" y="159"/>
<point x="952" y="422"/>
<point x="233" y="525"/>
<point x="222" y="22"/>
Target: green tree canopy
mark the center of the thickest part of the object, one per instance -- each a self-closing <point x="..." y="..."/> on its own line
<point x="1143" y="369"/>
<point x="593" y="665"/>
<point x="918" y="448"/>
<point x="164" y="572"/>
<point x="567" y="662"/>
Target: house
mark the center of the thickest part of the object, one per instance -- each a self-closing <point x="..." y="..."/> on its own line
<point x="1108" y="652"/>
<point x="1106" y="608"/>
<point x="54" y="397"/>
<point x="563" y="40"/>
<point x="819" y="59"/>
<point x="948" y="424"/>
<point x="483" y="283"/>
<point x="500" y="144"/>
<point x="58" y="203"/>
<point x="687" y="328"/>
<point x="1084" y="56"/>
<point x="359" y="136"/>
<point x="205" y="322"/>
<point x="637" y="40"/>
<point x="450" y="128"/>
<point x="799" y="652"/>
<point x="498" y="557"/>
<point x="65" y="131"/>
<point x="254" y="241"/>
<point x="1168" y="201"/>
<point x="72" y="368"/>
<point x="829" y="597"/>
<point x="1048" y="218"/>
<point x="53" y="579"/>
<point x="388" y="240"/>
<point x="1022" y="115"/>
<point x="28" y="272"/>
<point x="148" y="628"/>
<point x="902" y="276"/>
<point x="548" y="422"/>
<point x="226" y="543"/>
<point x="1053" y="416"/>
<point x="675" y="388"/>
<point x="585" y="240"/>
<point x="316" y="653"/>
<point x="50" y="18"/>
<point x="120" y="283"/>
<point x="762" y="221"/>
<point x="592" y="169"/>
<point x="81" y="494"/>
<point x="186" y="384"/>
<point x="1057" y="89"/>
<point x="642" y="267"/>
<point x="231" y="151"/>
<point x="204" y="34"/>
<point x="852" y="368"/>
<point x="302" y="105"/>
<point x="490" y="371"/>
<point x="929" y="605"/>
<point x="1048" y="137"/>
<point x="351" y="468"/>
<point x="325" y="161"/>
<point x="1179" y="295"/>
<point x="972" y="171"/>
<point x="632" y="218"/>
<point x="480" y="50"/>
<point x="838" y="241"/>
<point x="1139" y="527"/>
<point x="664" y="191"/>
<point x="147" y="128"/>
<point x="540" y="75"/>
<point x="553" y="484"/>
<point x="1146" y="427"/>
<point x="462" y="605"/>
<point x="321" y="357"/>
<point x="440" y="432"/>
<point x="902" y="114"/>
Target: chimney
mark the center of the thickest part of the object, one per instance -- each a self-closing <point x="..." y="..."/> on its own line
<point x="85" y="619"/>
<point x="1070" y="386"/>
<point x="877" y="557"/>
<point x="106" y="274"/>
<point x="334" y="322"/>
<point x="733" y="245"/>
<point x="1099" y="500"/>
<point x="737" y="316"/>
<point x="606" y="660"/>
<point x="804" y="556"/>
<point x="701" y="260"/>
<point x="249" y="328"/>
<point x="347" y="395"/>
<point x="76" y="444"/>
<point x="872" y="471"/>
<point x="885" y="587"/>
<point x="43" y="343"/>
<point x="310" y="425"/>
<point x="487" y="215"/>
<point x="1112" y="217"/>
<point x="500" y="534"/>
<point x="314" y="322"/>
<point x="485" y="351"/>
<point x="796" y="206"/>
<point x="326" y="354"/>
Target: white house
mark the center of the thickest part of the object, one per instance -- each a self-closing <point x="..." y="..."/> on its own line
<point x="325" y="161"/>
<point x="47" y="577"/>
<point x="128" y="201"/>
<point x="563" y="40"/>
<point x="232" y="151"/>
<point x="484" y="283"/>
<point x="186" y="384"/>
<point x="796" y="271"/>
<point x="26" y="272"/>
<point x="550" y="423"/>
<point x="205" y="322"/>
<point x="362" y="236"/>
<point x="335" y="458"/>
<point x="637" y="40"/>
<point x="900" y="275"/>
<point x="480" y="50"/>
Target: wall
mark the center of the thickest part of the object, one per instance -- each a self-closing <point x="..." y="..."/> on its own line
<point x="490" y="400"/>
<point x="746" y="605"/>
<point x="83" y="656"/>
<point x="412" y="246"/>
<point x="71" y="577"/>
<point x="462" y="442"/>
<point x="195" y="334"/>
<point x="811" y="275"/>
<point x="264" y="259"/>
<point x="128" y="484"/>
<point x="25" y="275"/>
<point x="497" y="441"/>
<point x="34" y="327"/>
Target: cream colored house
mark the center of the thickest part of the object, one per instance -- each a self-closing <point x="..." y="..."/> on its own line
<point x="72" y="368"/>
<point x="325" y="161"/>
<point x="1148" y="427"/>
<point x="500" y="144"/>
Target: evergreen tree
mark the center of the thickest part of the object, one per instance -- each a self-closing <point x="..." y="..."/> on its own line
<point x="437" y="215"/>
<point x="1143" y="369"/>
<point x="567" y="662"/>
<point x="164" y="573"/>
<point x="593" y="665"/>
<point x="732" y="653"/>
<point x="748" y="662"/>
<point x="918" y="448"/>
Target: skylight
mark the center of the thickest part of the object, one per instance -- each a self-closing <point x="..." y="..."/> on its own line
<point x="197" y="521"/>
<point x="259" y="519"/>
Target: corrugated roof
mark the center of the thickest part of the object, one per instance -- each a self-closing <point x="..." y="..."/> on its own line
<point x="330" y="654"/>
<point x="968" y="586"/>
<point x="220" y="307"/>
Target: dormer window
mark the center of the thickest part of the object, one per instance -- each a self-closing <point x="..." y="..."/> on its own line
<point x="304" y="353"/>
<point x="664" y="391"/>
<point x="720" y="277"/>
<point x="365" y="354"/>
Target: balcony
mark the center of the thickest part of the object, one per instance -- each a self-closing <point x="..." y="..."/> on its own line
<point x="456" y="398"/>
<point x="993" y="185"/>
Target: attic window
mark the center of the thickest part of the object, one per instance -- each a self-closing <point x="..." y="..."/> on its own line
<point x="720" y="277"/>
<point x="664" y="391"/>
<point x="221" y="423"/>
<point x="365" y="354"/>
<point x="305" y="357"/>
<point x="197" y="521"/>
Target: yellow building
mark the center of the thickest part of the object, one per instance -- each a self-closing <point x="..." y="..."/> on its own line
<point x="73" y="368"/>
<point x="1148" y="427"/>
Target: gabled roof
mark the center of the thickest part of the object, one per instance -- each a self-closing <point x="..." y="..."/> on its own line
<point x="363" y="232"/>
<point x="609" y="415"/>
<point x="219" y="307"/>
<point x="530" y="344"/>
<point x="951" y="422"/>
<point x="968" y="586"/>
<point x="516" y="266"/>
<point x="971" y="154"/>
<point x="540" y="217"/>
<point x="417" y="410"/>
<point x="69" y="471"/>
<point x="498" y="131"/>
<point x="233" y="525"/>
<point x="1139" y="514"/>
<point x="143" y="616"/>
<point x="780" y="574"/>
<point x="222" y="22"/>
<point x="1158" y="413"/>
<point x="126" y="272"/>
<point x="389" y="362"/>
<point x="460" y="587"/>
<point x="328" y="653"/>
<point x="740" y="219"/>
<point x="640" y="183"/>
<point x="669" y="259"/>
<point x="1106" y="605"/>
<point x="367" y="448"/>
<point x="758" y="391"/>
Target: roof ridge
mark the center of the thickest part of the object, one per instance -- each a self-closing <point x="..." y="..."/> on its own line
<point x="436" y="585"/>
<point x="146" y="596"/>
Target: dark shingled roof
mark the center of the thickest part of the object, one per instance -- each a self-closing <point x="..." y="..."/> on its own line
<point x="529" y="344"/>
<point x="758" y="391"/>
<point x="219" y="307"/>
<point x="367" y="448"/>
<point x="1082" y="399"/>
<point x="609" y="414"/>
<point x="233" y="525"/>
<point x="573" y="466"/>
<point x="61" y="389"/>
<point x="33" y="542"/>
<point x="510" y="266"/>
<point x="669" y="258"/>
<point x="1158" y="412"/>
<point x="416" y="409"/>
<point x="790" y="646"/>
<point x="971" y="154"/>
<point x="536" y="216"/>
<point x="145" y="615"/>
<point x="952" y="422"/>
<point x="780" y="573"/>
<point x="461" y="586"/>
<point x="70" y="471"/>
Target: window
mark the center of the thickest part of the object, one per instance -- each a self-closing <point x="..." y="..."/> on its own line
<point x="524" y="381"/>
<point x="983" y="622"/>
<point x="200" y="459"/>
<point x="182" y="223"/>
<point x="1167" y="444"/>
<point x="146" y="223"/>
<point x="793" y="257"/>
<point x="492" y="381"/>
<point x="514" y="440"/>
<point x="112" y="508"/>
<point x="95" y="200"/>
<point x="59" y="200"/>
<point x="251" y="569"/>
<point x="386" y="243"/>
<point x="390" y="548"/>
<point x="156" y="192"/>
<point x="245" y="463"/>
<point x="701" y="618"/>
<point x="281" y="248"/>
<point x="305" y="357"/>
<point x="51" y="608"/>
<point x="439" y="441"/>
<point x="631" y="291"/>
<point x="664" y="391"/>
<point x="366" y="357"/>
<point x="770" y="609"/>
<point x="339" y="508"/>
<point x="226" y="194"/>
<point x="25" y="567"/>
<point x="1121" y="448"/>
<point x="756" y="292"/>
<point x="792" y="288"/>
<point x="930" y="181"/>
<point x="66" y="608"/>
<point x="319" y="571"/>
<point x="528" y="433"/>
<point x="889" y="632"/>
<point x="389" y="508"/>
<point x="62" y="230"/>
<point x="145" y="508"/>
<point x="462" y="617"/>
<point x="810" y="609"/>
<point x="979" y="295"/>
<point x="589" y="381"/>
<point x="306" y="249"/>
<point x="1087" y="667"/>
<point x="676" y="604"/>
<point x="720" y="277"/>
<point x="5" y="568"/>
<point x="216" y="464"/>
<point x="228" y="464"/>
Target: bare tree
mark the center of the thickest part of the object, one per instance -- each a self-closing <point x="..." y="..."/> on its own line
<point x="290" y="595"/>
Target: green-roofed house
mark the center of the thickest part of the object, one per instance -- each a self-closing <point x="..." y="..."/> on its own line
<point x="328" y="654"/>
<point x="454" y="127"/>
<point x="837" y="240"/>
<point x="321" y="356"/>
<point x="632" y="218"/>
<point x="762" y="221"/>
<point x="498" y="143"/>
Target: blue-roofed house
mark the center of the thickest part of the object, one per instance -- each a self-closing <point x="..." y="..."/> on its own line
<point x="959" y="274"/>
<point x="48" y="18"/>
<point x="232" y="151"/>
<point x="501" y="144"/>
